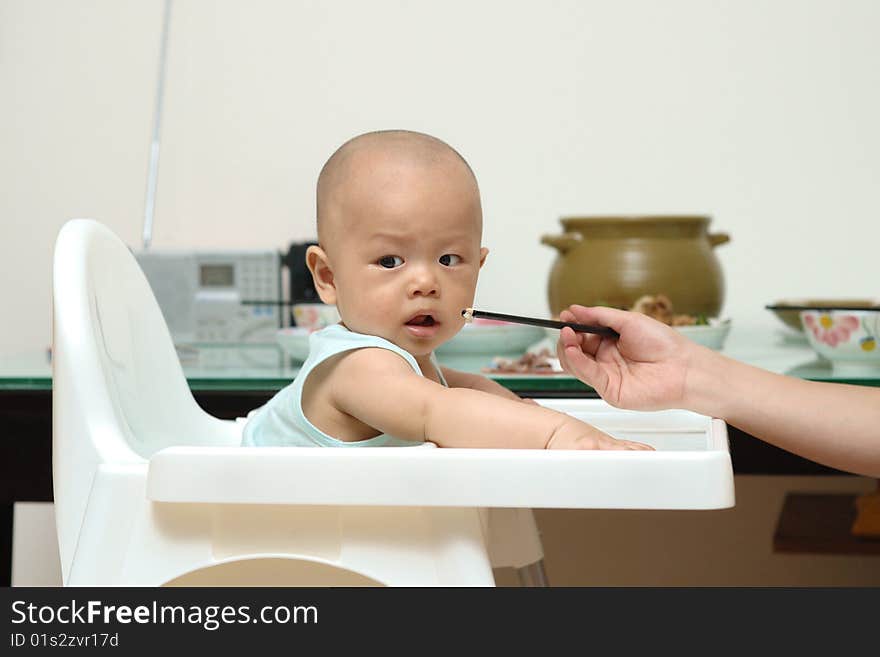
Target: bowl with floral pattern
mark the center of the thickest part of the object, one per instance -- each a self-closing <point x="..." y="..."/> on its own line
<point x="788" y="310"/>
<point x="849" y="337"/>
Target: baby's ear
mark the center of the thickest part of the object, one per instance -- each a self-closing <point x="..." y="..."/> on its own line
<point x="483" y="253"/>
<point x="322" y="274"/>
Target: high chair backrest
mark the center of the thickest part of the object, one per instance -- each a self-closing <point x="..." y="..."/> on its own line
<point x="119" y="392"/>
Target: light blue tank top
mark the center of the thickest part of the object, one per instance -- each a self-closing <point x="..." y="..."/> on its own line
<point x="281" y="421"/>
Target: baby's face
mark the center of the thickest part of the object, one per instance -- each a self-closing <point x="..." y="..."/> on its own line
<point x="406" y="254"/>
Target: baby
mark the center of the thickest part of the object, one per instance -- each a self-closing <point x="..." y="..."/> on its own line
<point x="399" y="228"/>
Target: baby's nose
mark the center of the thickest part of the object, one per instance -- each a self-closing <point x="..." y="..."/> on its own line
<point x="423" y="283"/>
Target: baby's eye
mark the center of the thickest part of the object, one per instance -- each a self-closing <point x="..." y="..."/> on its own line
<point x="390" y="262"/>
<point x="449" y="259"/>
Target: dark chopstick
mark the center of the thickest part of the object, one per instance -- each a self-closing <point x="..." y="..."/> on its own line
<point x="546" y="323"/>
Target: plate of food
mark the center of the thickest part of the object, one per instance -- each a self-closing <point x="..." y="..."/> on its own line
<point x="708" y="331"/>
<point x="540" y="362"/>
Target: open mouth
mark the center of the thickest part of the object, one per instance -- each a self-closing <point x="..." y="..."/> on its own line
<point x="422" y="320"/>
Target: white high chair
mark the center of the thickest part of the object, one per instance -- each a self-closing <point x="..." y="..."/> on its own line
<point x="151" y="490"/>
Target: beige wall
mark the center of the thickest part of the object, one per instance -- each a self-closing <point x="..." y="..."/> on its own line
<point x="760" y="113"/>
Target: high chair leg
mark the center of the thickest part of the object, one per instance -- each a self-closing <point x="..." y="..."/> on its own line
<point x="533" y="575"/>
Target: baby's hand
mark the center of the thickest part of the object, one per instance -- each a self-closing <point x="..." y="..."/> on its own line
<point x="586" y="436"/>
<point x="604" y="441"/>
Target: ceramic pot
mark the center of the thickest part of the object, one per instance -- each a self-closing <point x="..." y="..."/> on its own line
<point x="613" y="261"/>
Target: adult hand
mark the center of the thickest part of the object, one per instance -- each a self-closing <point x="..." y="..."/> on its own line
<point x="652" y="366"/>
<point x="646" y="368"/>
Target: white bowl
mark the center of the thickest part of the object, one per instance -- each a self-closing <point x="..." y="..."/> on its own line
<point x="480" y="341"/>
<point x="712" y="335"/>
<point x="314" y="315"/>
<point x="477" y="341"/>
<point x="295" y="341"/>
<point x="850" y="339"/>
<point x="492" y="338"/>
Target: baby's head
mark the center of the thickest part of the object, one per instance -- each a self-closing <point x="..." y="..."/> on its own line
<point x="399" y="229"/>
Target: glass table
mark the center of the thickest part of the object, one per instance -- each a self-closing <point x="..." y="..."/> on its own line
<point x="266" y="368"/>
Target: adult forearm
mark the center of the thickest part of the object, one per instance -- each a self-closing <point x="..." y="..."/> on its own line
<point x="830" y="423"/>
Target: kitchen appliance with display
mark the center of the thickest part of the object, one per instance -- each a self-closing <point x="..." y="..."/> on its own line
<point x="224" y="308"/>
<point x="203" y="293"/>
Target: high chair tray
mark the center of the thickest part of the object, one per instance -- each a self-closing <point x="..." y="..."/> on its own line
<point x="690" y="469"/>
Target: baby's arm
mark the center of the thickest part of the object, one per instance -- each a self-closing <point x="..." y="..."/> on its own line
<point x="457" y="379"/>
<point x="381" y="390"/>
